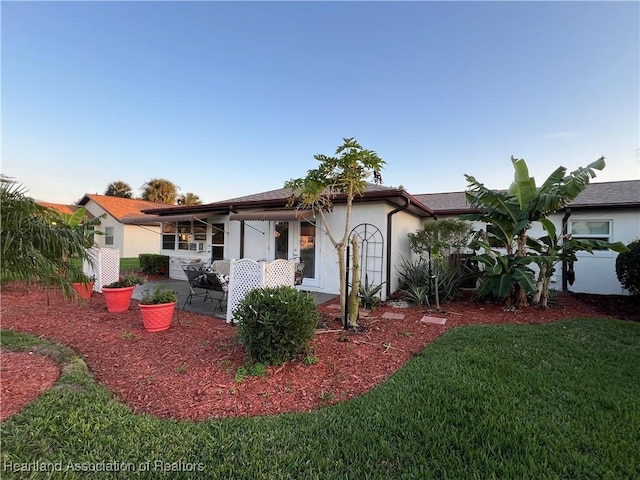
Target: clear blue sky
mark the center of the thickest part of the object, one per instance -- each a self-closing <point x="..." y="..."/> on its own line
<point x="231" y="98"/>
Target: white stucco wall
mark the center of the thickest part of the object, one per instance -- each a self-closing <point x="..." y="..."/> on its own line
<point x="130" y="240"/>
<point x="139" y="239"/>
<point x="596" y="273"/>
<point x="403" y="224"/>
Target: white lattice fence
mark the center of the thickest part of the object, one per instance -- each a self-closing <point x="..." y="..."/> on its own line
<point x="105" y="268"/>
<point x="278" y="272"/>
<point x="246" y="274"/>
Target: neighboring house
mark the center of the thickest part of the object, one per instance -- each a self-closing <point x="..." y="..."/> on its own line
<point x="261" y="226"/>
<point x="119" y="227"/>
<point x="607" y="211"/>
<point x="66" y="209"/>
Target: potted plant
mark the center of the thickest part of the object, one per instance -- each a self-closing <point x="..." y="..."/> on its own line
<point x="118" y="294"/>
<point x="84" y="285"/>
<point x="157" y="307"/>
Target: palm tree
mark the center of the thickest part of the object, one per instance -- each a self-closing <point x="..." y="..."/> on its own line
<point x="160" y="190"/>
<point x="119" y="189"/>
<point x="38" y="241"/>
<point x="189" y="199"/>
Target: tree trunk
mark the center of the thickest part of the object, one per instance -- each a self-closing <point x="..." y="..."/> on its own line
<point x="354" y="300"/>
<point x="545" y="291"/>
<point x="540" y="284"/>
<point x="521" y="298"/>
<point x="342" y="267"/>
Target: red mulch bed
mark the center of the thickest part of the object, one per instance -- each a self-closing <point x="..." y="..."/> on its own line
<point x="188" y="371"/>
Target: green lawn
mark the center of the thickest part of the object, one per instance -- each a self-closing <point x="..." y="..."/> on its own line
<point x="503" y="401"/>
<point x="126" y="264"/>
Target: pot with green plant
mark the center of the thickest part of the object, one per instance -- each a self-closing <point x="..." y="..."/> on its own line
<point x="118" y="294"/>
<point x="84" y="285"/>
<point x="157" y="306"/>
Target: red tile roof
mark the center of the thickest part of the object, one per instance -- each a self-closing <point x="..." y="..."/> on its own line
<point x="59" y="207"/>
<point x="121" y="208"/>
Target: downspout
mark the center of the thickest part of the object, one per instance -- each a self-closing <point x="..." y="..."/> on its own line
<point x="407" y="202"/>
<point x="565" y="222"/>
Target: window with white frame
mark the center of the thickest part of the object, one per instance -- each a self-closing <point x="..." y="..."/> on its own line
<point x="192" y="236"/>
<point x="591" y="230"/>
<point x="108" y="235"/>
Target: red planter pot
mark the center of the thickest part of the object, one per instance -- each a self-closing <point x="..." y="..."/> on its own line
<point x="157" y="318"/>
<point x="83" y="289"/>
<point x="118" y="299"/>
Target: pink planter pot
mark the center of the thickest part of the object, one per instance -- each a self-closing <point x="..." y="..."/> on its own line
<point x="118" y="299"/>
<point x="157" y="318"/>
<point x="83" y="289"/>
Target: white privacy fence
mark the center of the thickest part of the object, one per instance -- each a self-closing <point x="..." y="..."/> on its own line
<point x="247" y="274"/>
<point x="105" y="268"/>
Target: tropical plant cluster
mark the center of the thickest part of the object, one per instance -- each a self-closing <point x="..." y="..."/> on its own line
<point x="276" y="324"/>
<point x="508" y="250"/>
<point x="628" y="268"/>
<point x="441" y="269"/>
<point x="40" y="244"/>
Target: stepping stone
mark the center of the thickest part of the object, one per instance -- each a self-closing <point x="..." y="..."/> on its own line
<point x="433" y="320"/>
<point x="334" y="306"/>
<point x="393" y="316"/>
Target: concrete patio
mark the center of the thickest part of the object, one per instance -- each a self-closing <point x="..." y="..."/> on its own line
<point x="181" y="287"/>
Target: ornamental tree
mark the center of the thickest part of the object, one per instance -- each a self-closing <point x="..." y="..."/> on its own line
<point x="345" y="175"/>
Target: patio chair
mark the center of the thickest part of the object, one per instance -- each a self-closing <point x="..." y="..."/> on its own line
<point x="197" y="286"/>
<point x="218" y="282"/>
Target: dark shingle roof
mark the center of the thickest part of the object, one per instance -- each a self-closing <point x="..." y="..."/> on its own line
<point x="619" y="194"/>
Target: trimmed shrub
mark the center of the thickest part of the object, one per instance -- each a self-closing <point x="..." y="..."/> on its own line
<point x="154" y="264"/>
<point x="276" y="324"/>
<point x="628" y="268"/>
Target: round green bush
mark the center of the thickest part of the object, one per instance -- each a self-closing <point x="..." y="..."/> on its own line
<point x="628" y="268"/>
<point x="276" y="324"/>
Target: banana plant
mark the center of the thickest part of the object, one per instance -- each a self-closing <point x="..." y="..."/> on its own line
<point x="502" y="273"/>
<point x="554" y="248"/>
<point x="511" y="213"/>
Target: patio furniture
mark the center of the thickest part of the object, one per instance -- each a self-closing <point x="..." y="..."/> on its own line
<point x="203" y="280"/>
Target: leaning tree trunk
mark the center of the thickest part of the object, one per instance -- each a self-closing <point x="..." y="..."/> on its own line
<point x="354" y="300"/>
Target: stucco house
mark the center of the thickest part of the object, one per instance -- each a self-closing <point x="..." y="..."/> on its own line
<point x="261" y="226"/>
<point x="607" y="211"/>
<point x="119" y="226"/>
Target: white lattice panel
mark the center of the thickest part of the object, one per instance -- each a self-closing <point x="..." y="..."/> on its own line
<point x="245" y="275"/>
<point x="106" y="266"/>
<point x="279" y="272"/>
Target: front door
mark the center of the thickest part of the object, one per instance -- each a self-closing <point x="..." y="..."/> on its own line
<point x="297" y="241"/>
